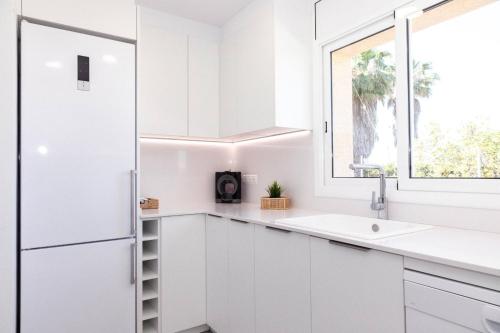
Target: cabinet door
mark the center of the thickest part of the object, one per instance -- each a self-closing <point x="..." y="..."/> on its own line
<point x="217" y="274"/>
<point x="282" y="282"/>
<point x="241" y="287"/>
<point x="355" y="290"/>
<point x="112" y="17"/>
<point x="162" y="82"/>
<point x="183" y="291"/>
<point x="247" y="70"/>
<point x="203" y="88"/>
<point x="79" y="289"/>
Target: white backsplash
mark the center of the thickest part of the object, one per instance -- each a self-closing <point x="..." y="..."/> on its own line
<point x="183" y="173"/>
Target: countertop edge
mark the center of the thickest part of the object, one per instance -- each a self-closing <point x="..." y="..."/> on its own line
<point x="372" y="244"/>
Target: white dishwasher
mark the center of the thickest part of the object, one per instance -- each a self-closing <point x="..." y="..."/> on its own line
<point x="438" y="305"/>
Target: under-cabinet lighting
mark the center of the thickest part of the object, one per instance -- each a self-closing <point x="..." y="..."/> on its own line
<point x="194" y="142"/>
<point x="187" y="142"/>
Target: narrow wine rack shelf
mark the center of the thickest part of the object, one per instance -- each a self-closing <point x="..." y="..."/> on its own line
<point x="150" y="262"/>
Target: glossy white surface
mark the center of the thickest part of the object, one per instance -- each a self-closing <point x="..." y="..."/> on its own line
<point x="282" y="282"/>
<point x="79" y="289"/>
<point x="8" y="168"/>
<point x="162" y="81"/>
<point x="178" y="76"/>
<point x="217" y="274"/>
<point x="91" y="15"/>
<point x="466" y="249"/>
<point x="77" y="147"/>
<point x="348" y="284"/>
<point x="265" y="71"/>
<point x="203" y="78"/>
<point x="183" y="267"/>
<point x="353" y="226"/>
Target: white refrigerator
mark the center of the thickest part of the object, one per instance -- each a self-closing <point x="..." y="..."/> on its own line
<point x="77" y="182"/>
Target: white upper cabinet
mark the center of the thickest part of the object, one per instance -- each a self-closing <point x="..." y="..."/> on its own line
<point x="203" y="118"/>
<point x="111" y="17"/>
<point x="178" y="76"/>
<point x="355" y="289"/>
<point x="266" y="68"/>
<point x="162" y="82"/>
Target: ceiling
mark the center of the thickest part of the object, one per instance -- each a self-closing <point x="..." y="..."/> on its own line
<point x="215" y="12"/>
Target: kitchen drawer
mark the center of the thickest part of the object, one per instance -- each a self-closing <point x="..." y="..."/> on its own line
<point x="433" y="310"/>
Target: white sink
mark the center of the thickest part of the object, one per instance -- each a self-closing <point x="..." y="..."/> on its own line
<point x="352" y="226"/>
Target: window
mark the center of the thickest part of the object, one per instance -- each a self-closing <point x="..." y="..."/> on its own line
<point x="415" y="92"/>
<point x="455" y="115"/>
<point x="363" y="104"/>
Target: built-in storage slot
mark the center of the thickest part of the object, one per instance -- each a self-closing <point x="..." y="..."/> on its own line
<point x="150" y="326"/>
<point x="149" y="309"/>
<point x="149" y="230"/>
<point x="149" y="250"/>
<point x="150" y="289"/>
<point x="150" y="276"/>
<point x="150" y="270"/>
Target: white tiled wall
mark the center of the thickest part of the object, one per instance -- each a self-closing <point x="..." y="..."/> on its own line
<point x="177" y="173"/>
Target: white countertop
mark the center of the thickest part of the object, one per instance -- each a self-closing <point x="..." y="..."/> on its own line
<point x="467" y="249"/>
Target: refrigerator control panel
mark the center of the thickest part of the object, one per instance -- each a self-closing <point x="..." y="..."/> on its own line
<point x="83" y="73"/>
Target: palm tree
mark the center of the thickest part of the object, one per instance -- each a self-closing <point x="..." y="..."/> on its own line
<point x="373" y="78"/>
<point x="372" y="82"/>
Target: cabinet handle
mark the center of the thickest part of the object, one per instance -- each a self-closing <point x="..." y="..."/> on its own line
<point x="491" y="318"/>
<point x="239" y="221"/>
<point x="212" y="215"/>
<point x="350" y="246"/>
<point x="133" y="201"/>
<point x="277" y="229"/>
<point x="133" y="265"/>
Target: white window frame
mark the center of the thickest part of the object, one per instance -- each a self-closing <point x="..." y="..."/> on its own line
<point x="476" y="193"/>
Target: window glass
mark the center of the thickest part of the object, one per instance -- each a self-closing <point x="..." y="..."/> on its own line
<point x="363" y="105"/>
<point x="455" y="121"/>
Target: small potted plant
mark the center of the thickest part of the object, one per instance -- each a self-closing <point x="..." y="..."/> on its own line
<point x="274" y="200"/>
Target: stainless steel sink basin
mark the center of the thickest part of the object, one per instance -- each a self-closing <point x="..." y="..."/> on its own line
<point x="352" y="226"/>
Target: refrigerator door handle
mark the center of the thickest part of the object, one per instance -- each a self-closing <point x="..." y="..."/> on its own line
<point x="133" y="265"/>
<point x="133" y="201"/>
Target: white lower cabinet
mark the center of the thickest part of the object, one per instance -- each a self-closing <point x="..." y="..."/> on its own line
<point x="183" y="267"/>
<point x="282" y="281"/>
<point x="241" y="274"/>
<point x="230" y="276"/>
<point x="355" y="289"/>
<point x="217" y="278"/>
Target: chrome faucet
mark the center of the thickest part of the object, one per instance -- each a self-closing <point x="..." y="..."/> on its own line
<point x="379" y="205"/>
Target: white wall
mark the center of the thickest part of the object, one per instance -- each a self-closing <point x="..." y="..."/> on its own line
<point x="290" y="161"/>
<point x="8" y="151"/>
<point x="182" y="174"/>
